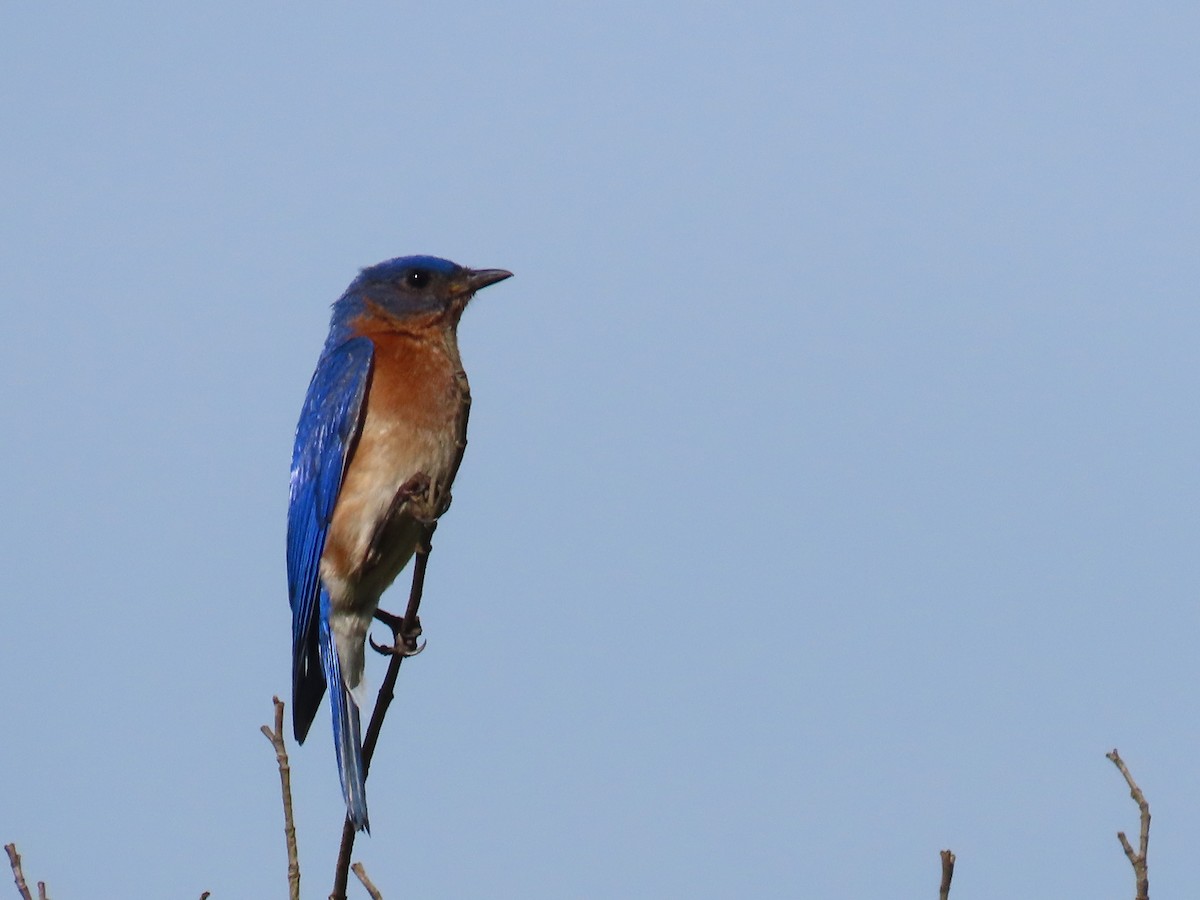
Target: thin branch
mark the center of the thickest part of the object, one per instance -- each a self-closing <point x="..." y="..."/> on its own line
<point x="205" y="895"/>
<point x="361" y="872"/>
<point x="285" y="783"/>
<point x="42" y="891"/>
<point x="948" y="858"/>
<point x="1137" y="860"/>
<point x="14" y="860"/>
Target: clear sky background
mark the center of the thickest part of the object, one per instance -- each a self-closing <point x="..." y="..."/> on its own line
<point x="833" y="482"/>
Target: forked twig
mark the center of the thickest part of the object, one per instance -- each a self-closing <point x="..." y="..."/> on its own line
<point x="948" y="858"/>
<point x="285" y="783"/>
<point x="1141" y="875"/>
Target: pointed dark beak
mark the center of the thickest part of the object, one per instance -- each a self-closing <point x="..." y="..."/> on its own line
<point x="481" y="278"/>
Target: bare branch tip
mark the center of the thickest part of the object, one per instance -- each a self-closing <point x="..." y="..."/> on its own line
<point x="14" y="860"/>
<point x="359" y="870"/>
<point x="948" y="859"/>
<point x="285" y="787"/>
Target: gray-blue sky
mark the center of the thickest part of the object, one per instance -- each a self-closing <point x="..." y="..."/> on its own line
<point x="833" y="471"/>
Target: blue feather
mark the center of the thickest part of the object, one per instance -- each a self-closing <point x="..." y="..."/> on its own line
<point x="347" y="738"/>
<point x="329" y="426"/>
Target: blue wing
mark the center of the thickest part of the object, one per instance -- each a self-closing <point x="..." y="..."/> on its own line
<point x="329" y="426"/>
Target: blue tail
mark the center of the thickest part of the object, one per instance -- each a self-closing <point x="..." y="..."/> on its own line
<point x="347" y="739"/>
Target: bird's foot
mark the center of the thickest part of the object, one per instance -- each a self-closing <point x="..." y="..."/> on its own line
<point x="433" y="510"/>
<point x="414" y="498"/>
<point x="416" y="488"/>
<point x="404" y="640"/>
<point x="425" y="500"/>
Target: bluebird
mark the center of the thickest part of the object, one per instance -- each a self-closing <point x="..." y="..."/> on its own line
<point x="376" y="449"/>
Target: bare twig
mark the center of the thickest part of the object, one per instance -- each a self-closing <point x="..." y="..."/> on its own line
<point x="285" y="782"/>
<point x="361" y="872"/>
<point x="1137" y="860"/>
<point x="14" y="860"/>
<point x="948" y="858"/>
<point x="42" y="891"/>
<point x="205" y="895"/>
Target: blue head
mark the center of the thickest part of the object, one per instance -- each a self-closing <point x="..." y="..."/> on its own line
<point x="417" y="288"/>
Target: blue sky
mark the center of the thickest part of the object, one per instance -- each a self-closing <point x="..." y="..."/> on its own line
<point x="832" y="488"/>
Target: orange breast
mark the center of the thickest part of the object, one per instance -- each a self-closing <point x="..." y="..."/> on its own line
<point x="410" y="427"/>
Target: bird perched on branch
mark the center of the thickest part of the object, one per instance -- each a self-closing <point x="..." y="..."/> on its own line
<point x="377" y="445"/>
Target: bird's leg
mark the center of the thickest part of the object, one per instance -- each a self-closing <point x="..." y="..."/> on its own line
<point x="435" y="506"/>
<point x="426" y="500"/>
<point x="416" y="489"/>
<point x="422" y="501"/>
<point x="404" y="641"/>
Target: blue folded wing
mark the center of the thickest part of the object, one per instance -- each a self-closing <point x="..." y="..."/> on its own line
<point x="329" y="426"/>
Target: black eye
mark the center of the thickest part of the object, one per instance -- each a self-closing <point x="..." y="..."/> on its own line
<point x="416" y="278"/>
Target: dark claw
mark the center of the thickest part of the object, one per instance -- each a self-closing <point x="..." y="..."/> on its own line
<point x="435" y="503"/>
<point x="404" y="643"/>
<point x="409" y="649"/>
<point x="444" y="502"/>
